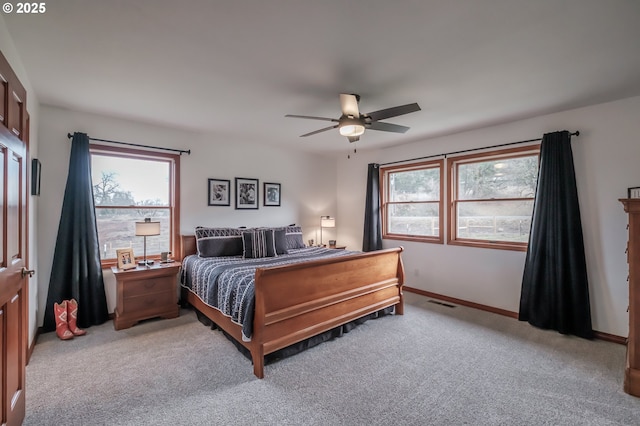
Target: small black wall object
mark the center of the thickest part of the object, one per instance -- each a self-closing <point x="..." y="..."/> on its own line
<point x="35" y="176"/>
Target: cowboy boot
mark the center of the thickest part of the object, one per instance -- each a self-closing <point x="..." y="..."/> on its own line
<point x="72" y="314"/>
<point x="62" y="327"/>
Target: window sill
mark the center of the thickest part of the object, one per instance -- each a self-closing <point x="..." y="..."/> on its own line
<point x="498" y="245"/>
<point x="416" y="238"/>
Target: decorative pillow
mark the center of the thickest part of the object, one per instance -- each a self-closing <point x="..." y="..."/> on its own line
<point x="258" y="244"/>
<point x="294" y="237"/>
<point x="216" y="242"/>
<point x="280" y="237"/>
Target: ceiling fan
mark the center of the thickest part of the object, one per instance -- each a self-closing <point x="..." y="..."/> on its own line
<point x="352" y="123"/>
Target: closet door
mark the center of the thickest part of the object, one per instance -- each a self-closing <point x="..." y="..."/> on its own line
<point x="13" y="281"/>
<point x="14" y="287"/>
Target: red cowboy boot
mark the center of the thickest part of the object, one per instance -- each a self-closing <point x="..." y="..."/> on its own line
<point x="72" y="311"/>
<point x="62" y="327"/>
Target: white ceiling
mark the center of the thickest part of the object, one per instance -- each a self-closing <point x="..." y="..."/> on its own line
<point x="234" y="68"/>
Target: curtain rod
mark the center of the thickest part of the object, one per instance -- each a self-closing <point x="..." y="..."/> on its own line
<point x="181" y="151"/>
<point x="576" y="133"/>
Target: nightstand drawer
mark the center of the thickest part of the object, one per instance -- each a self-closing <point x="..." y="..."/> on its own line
<point x="150" y="302"/>
<point x="152" y="285"/>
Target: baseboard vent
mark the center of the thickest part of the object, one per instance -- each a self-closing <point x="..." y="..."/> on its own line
<point x="437" y="302"/>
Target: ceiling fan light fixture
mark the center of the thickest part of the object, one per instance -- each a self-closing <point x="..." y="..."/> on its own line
<point x="352" y="130"/>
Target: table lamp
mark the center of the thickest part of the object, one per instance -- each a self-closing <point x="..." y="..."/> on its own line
<point x="326" y="222"/>
<point x="146" y="229"/>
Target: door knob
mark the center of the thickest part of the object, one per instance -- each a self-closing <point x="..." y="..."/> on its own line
<point x="26" y="272"/>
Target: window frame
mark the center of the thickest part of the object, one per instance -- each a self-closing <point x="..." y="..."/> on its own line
<point x="174" y="190"/>
<point x="385" y="196"/>
<point x="453" y="200"/>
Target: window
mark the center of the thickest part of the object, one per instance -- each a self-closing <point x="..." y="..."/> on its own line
<point x="131" y="185"/>
<point x="492" y="198"/>
<point x="411" y="202"/>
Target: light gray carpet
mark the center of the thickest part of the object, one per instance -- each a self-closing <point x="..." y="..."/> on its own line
<point x="434" y="365"/>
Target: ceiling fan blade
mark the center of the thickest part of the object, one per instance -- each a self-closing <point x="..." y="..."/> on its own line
<point x="387" y="127"/>
<point x="319" y="131"/>
<point x="312" y="118"/>
<point x="393" y="112"/>
<point x="349" y="105"/>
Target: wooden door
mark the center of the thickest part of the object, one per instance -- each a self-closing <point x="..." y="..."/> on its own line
<point x="13" y="282"/>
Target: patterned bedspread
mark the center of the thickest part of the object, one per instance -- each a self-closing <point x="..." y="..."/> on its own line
<point x="227" y="283"/>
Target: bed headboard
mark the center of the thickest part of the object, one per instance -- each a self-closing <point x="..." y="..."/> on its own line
<point x="187" y="245"/>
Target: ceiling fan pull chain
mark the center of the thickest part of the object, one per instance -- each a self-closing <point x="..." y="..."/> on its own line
<point x="354" y="151"/>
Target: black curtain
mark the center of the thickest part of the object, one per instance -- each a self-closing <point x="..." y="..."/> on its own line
<point x="555" y="290"/>
<point x="372" y="239"/>
<point x="76" y="272"/>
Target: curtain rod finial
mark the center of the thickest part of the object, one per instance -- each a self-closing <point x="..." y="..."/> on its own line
<point x="69" y="135"/>
<point x="577" y="132"/>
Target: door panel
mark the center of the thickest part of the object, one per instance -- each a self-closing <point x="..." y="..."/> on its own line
<point x="15" y="377"/>
<point x="4" y="89"/>
<point x="13" y="207"/>
<point x="2" y="161"/>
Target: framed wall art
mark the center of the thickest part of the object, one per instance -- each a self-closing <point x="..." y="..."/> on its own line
<point x="126" y="259"/>
<point x="272" y="194"/>
<point x="247" y="193"/>
<point x="219" y="192"/>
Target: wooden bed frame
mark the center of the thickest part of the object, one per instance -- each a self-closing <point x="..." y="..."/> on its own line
<point x="298" y="301"/>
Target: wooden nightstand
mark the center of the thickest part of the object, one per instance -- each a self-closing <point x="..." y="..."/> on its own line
<point x="337" y="247"/>
<point x="144" y="293"/>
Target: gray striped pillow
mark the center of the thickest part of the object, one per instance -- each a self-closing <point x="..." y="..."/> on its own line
<point x="257" y="244"/>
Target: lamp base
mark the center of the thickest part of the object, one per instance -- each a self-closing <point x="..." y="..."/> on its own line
<point x="147" y="262"/>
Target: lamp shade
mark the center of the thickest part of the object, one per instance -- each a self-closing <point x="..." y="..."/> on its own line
<point x="327" y="222"/>
<point x="147" y="229"/>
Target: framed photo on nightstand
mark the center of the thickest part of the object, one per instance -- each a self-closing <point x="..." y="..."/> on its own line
<point x="633" y="192"/>
<point x="126" y="259"/>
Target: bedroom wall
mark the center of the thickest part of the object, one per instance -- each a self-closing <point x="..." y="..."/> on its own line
<point x="10" y="53"/>
<point x="606" y="156"/>
<point x="308" y="182"/>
